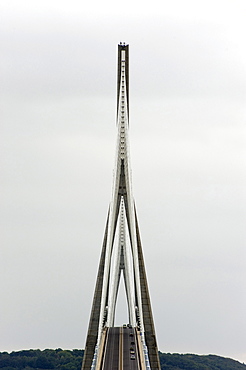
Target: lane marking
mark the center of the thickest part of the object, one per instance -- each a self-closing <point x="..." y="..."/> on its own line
<point x="121" y="350"/>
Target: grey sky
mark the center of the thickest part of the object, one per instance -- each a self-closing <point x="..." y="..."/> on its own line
<point x="187" y="135"/>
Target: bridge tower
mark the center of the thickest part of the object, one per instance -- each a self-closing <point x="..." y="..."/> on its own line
<point x="121" y="253"/>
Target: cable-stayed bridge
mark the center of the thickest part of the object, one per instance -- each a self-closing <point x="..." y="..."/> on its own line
<point x="132" y="346"/>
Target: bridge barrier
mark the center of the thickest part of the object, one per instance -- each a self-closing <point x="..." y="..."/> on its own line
<point x="98" y="355"/>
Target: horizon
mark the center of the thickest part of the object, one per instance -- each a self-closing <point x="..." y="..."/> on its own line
<point x="82" y="349"/>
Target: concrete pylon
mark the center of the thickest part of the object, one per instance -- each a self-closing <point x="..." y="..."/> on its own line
<point x="122" y="253"/>
<point x="149" y="327"/>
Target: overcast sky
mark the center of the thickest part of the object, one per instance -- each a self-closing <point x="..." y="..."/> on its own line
<point x="187" y="136"/>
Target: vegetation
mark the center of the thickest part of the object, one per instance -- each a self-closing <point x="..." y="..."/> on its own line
<point x="58" y="359"/>
<point x="176" y="361"/>
<point x="49" y="359"/>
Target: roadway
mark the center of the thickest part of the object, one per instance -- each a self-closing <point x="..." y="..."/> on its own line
<point x="121" y="350"/>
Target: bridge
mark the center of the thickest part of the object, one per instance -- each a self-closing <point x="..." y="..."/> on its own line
<point x="121" y="349"/>
<point x="132" y="346"/>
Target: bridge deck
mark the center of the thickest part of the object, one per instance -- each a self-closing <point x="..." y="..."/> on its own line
<point x="121" y="350"/>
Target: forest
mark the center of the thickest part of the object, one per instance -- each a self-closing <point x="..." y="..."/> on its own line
<point x="58" y="359"/>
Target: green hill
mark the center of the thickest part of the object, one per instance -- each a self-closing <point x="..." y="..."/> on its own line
<point x="176" y="361"/>
<point x="58" y="359"/>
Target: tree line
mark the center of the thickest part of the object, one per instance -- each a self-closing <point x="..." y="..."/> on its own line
<point x="58" y="359"/>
